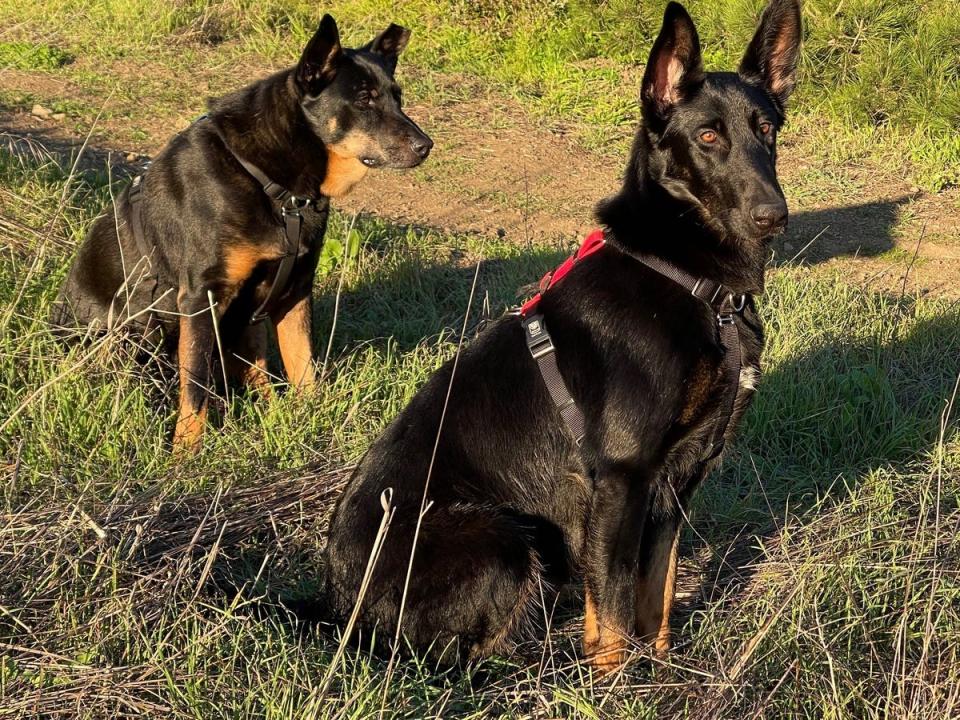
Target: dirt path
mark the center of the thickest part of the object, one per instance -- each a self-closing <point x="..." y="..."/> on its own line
<point x="494" y="169"/>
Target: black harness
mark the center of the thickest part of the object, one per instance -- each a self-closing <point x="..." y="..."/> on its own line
<point x="726" y="306"/>
<point x="291" y="216"/>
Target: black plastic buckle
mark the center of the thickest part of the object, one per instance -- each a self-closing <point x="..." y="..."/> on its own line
<point x="539" y="342"/>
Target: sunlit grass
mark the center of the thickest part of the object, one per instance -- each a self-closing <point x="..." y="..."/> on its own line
<point x="820" y="566"/>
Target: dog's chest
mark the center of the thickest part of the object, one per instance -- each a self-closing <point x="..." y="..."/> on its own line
<point x="250" y="267"/>
<point x="705" y="399"/>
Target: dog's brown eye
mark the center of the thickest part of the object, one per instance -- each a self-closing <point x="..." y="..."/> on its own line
<point x="766" y="127"/>
<point x="709" y="136"/>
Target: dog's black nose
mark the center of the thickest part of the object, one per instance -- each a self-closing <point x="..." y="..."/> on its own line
<point x="770" y="217"/>
<point x="422" y="145"/>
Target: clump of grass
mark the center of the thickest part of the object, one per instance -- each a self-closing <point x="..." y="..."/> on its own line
<point x="29" y="56"/>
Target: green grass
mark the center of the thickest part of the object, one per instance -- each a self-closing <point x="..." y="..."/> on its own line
<point x="877" y="76"/>
<point x="26" y="56"/>
<point x="824" y="557"/>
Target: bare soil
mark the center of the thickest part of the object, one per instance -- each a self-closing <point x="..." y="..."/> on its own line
<point x="496" y="170"/>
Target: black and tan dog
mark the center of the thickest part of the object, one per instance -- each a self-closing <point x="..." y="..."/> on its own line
<point x="640" y="336"/>
<point x="230" y="197"/>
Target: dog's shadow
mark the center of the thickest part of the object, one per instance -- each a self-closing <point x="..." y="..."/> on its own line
<point x="815" y="236"/>
<point x="822" y="423"/>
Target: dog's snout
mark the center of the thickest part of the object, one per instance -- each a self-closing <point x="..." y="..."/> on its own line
<point x="770" y="217"/>
<point x="422" y="145"/>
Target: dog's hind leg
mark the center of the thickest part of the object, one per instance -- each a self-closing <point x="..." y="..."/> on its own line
<point x="475" y="585"/>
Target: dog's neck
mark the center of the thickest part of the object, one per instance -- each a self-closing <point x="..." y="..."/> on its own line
<point x="263" y="124"/>
<point x="645" y="218"/>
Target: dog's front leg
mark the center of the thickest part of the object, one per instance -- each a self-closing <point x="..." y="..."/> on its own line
<point x="294" y="333"/>
<point x="195" y="355"/>
<point x="248" y="362"/>
<point x="656" y="581"/>
<point x="619" y="507"/>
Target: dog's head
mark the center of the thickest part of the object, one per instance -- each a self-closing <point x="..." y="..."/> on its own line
<point x="353" y="104"/>
<point x="712" y="136"/>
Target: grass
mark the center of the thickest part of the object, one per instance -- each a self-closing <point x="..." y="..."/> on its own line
<point x="821" y="566"/>
<point x="877" y="76"/>
<point x="27" y="56"/>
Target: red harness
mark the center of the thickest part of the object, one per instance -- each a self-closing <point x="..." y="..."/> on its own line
<point x="593" y="242"/>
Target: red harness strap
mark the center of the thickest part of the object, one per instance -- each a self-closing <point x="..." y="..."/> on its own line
<point x="540" y="344"/>
<point x="593" y="242"/>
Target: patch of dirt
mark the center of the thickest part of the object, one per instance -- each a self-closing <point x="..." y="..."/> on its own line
<point x="492" y="170"/>
<point x="495" y="170"/>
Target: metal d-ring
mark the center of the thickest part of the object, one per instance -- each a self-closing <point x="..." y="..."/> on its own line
<point x="293" y="203"/>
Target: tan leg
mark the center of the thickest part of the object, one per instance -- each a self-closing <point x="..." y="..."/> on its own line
<point x="604" y="647"/>
<point x="293" y="336"/>
<point x="194" y="350"/>
<point x="655" y="592"/>
<point x="250" y="368"/>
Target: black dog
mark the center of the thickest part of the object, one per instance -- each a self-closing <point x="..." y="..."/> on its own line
<point x="641" y="347"/>
<point x="227" y="224"/>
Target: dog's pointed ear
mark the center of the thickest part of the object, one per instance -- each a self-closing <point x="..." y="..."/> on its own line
<point x="389" y="44"/>
<point x="674" y="67"/>
<point x="771" y="59"/>
<point x="321" y="56"/>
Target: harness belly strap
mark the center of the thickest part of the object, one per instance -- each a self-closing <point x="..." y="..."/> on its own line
<point x="716" y="295"/>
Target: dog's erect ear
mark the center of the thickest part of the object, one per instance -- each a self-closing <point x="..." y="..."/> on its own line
<point x="771" y="59"/>
<point x="320" y="58"/>
<point x="389" y="44"/>
<point x="674" y="67"/>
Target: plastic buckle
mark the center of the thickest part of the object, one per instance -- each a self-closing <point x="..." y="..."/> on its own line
<point x="539" y="341"/>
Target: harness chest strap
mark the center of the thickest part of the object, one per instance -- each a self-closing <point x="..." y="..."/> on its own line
<point x="291" y="207"/>
<point x="716" y="295"/>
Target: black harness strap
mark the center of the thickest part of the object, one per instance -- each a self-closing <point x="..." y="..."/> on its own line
<point x="135" y="198"/>
<point x="728" y="312"/>
<point x="291" y="215"/>
<point x="541" y="347"/>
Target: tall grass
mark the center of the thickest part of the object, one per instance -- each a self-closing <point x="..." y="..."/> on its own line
<point x="820" y="569"/>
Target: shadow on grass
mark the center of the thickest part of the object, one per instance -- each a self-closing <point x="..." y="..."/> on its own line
<point x="821" y="423"/>
<point x="816" y="236"/>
